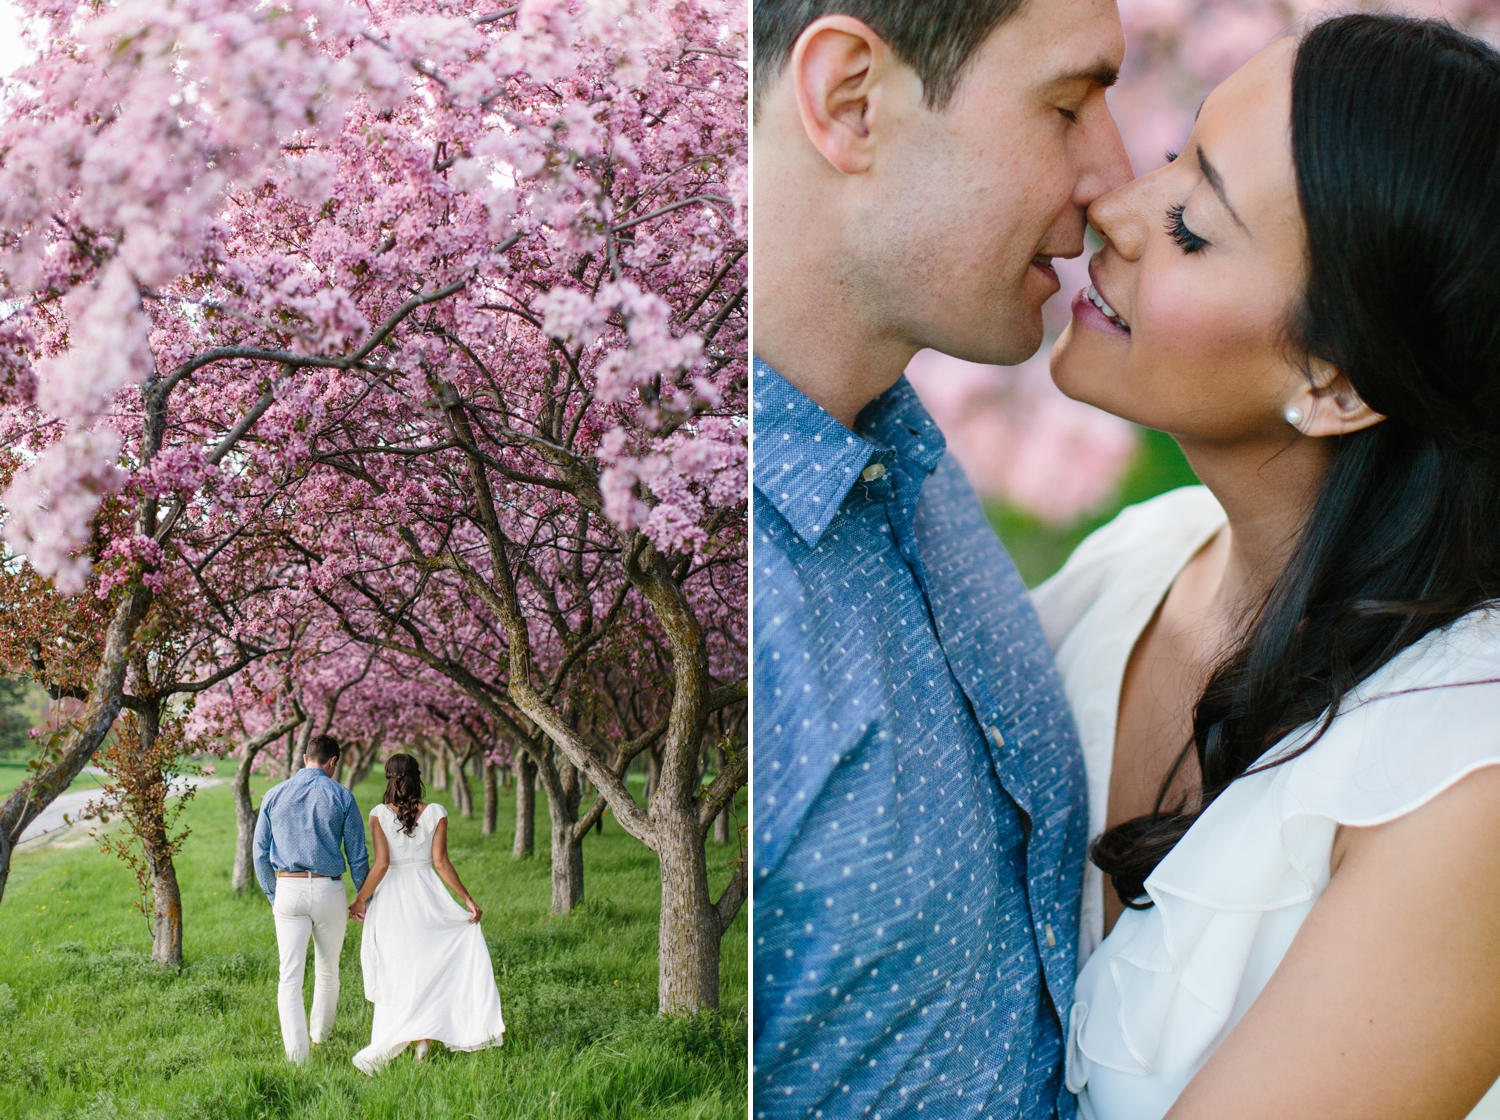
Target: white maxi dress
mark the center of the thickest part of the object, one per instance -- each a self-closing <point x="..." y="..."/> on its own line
<point x="427" y="968"/>
<point x="1157" y="996"/>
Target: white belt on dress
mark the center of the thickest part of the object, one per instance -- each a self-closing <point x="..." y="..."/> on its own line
<point x="410" y="863"/>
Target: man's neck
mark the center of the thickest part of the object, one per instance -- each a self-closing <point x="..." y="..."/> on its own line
<point x="815" y="326"/>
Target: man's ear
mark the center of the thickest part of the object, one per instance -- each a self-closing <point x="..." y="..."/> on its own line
<point x="848" y="86"/>
<point x="1331" y="405"/>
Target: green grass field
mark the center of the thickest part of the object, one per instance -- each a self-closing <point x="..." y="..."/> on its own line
<point x="13" y="771"/>
<point x="89" y="1029"/>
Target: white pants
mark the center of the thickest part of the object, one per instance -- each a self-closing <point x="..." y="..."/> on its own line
<point x="317" y="907"/>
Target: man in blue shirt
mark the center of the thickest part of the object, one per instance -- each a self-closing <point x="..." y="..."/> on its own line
<point x="308" y="825"/>
<point x="920" y="816"/>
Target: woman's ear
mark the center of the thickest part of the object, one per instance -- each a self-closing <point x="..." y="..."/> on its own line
<point x="848" y="86"/>
<point x="1329" y="404"/>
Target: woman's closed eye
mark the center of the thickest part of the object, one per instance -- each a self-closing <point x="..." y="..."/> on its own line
<point x="1178" y="231"/>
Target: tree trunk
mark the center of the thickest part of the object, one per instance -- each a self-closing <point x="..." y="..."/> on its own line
<point x="653" y="774"/>
<point x="491" y="800"/>
<point x="90" y="727"/>
<point x="148" y="789"/>
<point x="567" y="868"/>
<point x="166" y="909"/>
<point x="525" y="806"/>
<point x="243" y="873"/>
<point x="244" y="824"/>
<point x="721" y="822"/>
<point x="463" y="796"/>
<point x="291" y="762"/>
<point x="440" y="769"/>
<point x="560" y="780"/>
<point x="361" y="762"/>
<point x="689" y="933"/>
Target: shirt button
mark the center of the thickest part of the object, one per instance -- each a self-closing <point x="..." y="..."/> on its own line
<point x="873" y="472"/>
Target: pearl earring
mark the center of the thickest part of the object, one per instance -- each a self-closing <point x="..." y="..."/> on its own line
<point x="1293" y="416"/>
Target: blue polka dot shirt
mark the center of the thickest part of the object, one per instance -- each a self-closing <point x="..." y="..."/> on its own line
<point x="919" y="794"/>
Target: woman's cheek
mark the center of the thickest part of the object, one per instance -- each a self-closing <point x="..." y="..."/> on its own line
<point x="1203" y="349"/>
<point x="1195" y="324"/>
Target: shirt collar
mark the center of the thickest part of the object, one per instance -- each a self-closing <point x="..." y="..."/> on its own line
<point x="806" y="461"/>
<point x="897" y="419"/>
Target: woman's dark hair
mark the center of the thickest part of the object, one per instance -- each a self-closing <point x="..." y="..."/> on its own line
<point x="1396" y="144"/>
<point x="403" y="789"/>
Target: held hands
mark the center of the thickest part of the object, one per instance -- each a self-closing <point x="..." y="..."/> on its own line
<point x="357" y="909"/>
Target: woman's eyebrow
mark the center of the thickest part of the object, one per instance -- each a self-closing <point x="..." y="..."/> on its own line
<point x="1216" y="181"/>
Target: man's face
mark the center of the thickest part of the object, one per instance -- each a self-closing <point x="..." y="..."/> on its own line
<point x="966" y="206"/>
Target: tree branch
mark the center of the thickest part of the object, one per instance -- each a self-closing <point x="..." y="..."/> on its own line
<point x="730" y="780"/>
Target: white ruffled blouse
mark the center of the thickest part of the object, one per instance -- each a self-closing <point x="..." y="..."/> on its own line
<point x="1155" y="997"/>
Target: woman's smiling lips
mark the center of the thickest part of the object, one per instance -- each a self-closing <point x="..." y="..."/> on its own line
<point x="1093" y="310"/>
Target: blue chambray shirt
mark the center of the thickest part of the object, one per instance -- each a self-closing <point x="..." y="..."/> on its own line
<point x="302" y="822"/>
<point x="920" y="814"/>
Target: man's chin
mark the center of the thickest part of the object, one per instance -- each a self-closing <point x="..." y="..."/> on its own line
<point x="1002" y="344"/>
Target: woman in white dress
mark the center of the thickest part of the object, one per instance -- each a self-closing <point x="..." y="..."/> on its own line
<point x="427" y="968"/>
<point x="1288" y="681"/>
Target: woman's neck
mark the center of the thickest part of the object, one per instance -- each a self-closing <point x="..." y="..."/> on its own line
<point x="1267" y="493"/>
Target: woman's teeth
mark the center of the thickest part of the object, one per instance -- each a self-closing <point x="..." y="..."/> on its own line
<point x="1109" y="312"/>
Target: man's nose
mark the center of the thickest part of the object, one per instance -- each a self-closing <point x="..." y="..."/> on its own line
<point x="1104" y="163"/>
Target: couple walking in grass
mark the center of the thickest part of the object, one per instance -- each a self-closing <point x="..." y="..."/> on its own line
<point x="426" y="967"/>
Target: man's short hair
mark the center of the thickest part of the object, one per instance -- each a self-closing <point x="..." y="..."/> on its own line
<point x="322" y="748"/>
<point x="936" y="38"/>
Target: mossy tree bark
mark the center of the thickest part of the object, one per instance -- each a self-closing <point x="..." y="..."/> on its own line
<point x="564" y="789"/>
<point x="525" y="842"/>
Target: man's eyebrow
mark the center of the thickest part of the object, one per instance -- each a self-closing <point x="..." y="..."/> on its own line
<point x="1216" y="181"/>
<point x="1103" y="74"/>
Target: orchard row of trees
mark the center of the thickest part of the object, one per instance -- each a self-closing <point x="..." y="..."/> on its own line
<point x="381" y="368"/>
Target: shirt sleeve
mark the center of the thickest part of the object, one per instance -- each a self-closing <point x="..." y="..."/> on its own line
<point x="354" y="844"/>
<point x="262" y="851"/>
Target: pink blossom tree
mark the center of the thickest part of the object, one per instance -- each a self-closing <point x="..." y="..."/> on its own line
<point x="423" y="308"/>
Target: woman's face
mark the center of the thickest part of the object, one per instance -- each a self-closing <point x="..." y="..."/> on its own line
<point x="1201" y="265"/>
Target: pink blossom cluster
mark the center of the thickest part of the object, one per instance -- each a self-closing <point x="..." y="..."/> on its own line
<point x="125" y="558"/>
<point x="51" y="503"/>
<point x="207" y="174"/>
<point x="278" y="271"/>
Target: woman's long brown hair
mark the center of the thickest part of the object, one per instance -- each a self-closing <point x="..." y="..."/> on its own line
<point x="403" y="790"/>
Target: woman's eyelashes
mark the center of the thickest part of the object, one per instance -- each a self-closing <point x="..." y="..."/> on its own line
<point x="1178" y="231"/>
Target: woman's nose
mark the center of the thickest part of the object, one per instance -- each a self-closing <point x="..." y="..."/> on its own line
<point x="1119" y="218"/>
